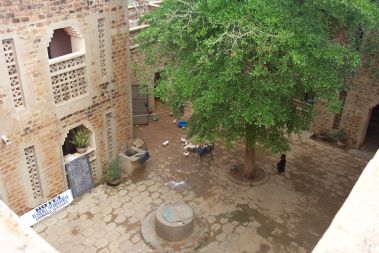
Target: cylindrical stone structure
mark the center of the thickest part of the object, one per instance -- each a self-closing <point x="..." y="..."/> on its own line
<point x="174" y="221"/>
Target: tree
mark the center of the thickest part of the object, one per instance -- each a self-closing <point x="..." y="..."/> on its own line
<point x="243" y="63"/>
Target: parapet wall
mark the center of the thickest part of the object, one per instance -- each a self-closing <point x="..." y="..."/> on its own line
<point x="355" y="228"/>
<point x="16" y="238"/>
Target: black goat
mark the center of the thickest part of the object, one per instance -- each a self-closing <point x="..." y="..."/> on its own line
<point x="203" y="150"/>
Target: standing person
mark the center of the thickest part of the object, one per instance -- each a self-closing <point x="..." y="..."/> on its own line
<point x="282" y="164"/>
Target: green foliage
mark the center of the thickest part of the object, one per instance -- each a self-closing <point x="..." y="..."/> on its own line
<point x="113" y="171"/>
<point x="243" y="63"/>
<point x="80" y="138"/>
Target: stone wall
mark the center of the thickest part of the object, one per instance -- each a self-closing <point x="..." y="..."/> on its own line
<point x="355" y="228"/>
<point x="37" y="113"/>
<point x="355" y="115"/>
<point x="16" y="237"/>
<point x="323" y="120"/>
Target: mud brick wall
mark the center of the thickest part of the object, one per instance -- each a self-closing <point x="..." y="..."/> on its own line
<point x="323" y="120"/>
<point x="142" y="74"/>
<point x="355" y="116"/>
<point x="32" y="167"/>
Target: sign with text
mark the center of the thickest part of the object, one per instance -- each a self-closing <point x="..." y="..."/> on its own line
<point x="48" y="208"/>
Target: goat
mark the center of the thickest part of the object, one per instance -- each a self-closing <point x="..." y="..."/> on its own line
<point x="191" y="148"/>
<point x="200" y="150"/>
<point x="203" y="150"/>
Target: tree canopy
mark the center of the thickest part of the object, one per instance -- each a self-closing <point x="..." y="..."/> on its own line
<point x="242" y="63"/>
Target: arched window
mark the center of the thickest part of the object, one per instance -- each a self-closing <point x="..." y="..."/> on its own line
<point x="70" y="152"/>
<point x="65" y="41"/>
<point x="67" y="64"/>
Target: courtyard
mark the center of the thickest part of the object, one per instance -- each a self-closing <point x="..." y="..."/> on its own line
<point x="277" y="214"/>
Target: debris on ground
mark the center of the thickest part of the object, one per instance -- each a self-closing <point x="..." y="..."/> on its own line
<point x="139" y="143"/>
<point x="182" y="123"/>
<point x="165" y="143"/>
<point x="156" y="117"/>
<point x="184" y="141"/>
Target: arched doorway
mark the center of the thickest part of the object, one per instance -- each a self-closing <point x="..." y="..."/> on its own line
<point x="69" y="151"/>
<point x="371" y="142"/>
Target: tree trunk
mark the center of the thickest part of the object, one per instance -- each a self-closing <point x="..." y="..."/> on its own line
<point x="249" y="166"/>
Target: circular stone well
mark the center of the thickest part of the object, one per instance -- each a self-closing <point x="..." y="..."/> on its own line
<point x="195" y="232"/>
<point x="174" y="221"/>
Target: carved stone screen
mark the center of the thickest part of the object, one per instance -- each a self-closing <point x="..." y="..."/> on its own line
<point x="103" y="61"/>
<point x="92" y="163"/>
<point x="13" y="72"/>
<point x="32" y="166"/>
<point x="68" y="79"/>
<point x="109" y="128"/>
<point x="79" y="176"/>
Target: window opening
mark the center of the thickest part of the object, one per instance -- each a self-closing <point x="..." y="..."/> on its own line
<point x="65" y="41"/>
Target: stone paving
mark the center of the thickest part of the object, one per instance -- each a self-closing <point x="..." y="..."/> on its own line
<point x="284" y="214"/>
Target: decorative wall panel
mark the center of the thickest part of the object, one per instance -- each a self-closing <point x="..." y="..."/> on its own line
<point x="32" y="166"/>
<point x="13" y="72"/>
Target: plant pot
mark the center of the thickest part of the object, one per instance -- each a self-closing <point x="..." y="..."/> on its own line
<point x="115" y="182"/>
<point x="322" y="137"/>
<point x="81" y="150"/>
<point x="341" y="144"/>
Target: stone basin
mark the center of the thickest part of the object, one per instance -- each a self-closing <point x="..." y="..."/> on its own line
<point x="129" y="160"/>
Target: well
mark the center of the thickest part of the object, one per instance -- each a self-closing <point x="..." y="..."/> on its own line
<point x="174" y="227"/>
<point x="174" y="221"/>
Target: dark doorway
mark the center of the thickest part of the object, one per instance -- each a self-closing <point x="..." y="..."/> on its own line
<point x="371" y="142"/>
<point x="68" y="147"/>
<point x="157" y="78"/>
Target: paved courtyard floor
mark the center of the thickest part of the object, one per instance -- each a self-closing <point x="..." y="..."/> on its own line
<point x="282" y="214"/>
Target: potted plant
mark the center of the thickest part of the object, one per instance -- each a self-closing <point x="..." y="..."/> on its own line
<point x="341" y="138"/>
<point x="80" y="139"/>
<point x="113" y="176"/>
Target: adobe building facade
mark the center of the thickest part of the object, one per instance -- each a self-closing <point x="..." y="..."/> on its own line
<point x="63" y="64"/>
<point x="359" y="115"/>
<point x="141" y="75"/>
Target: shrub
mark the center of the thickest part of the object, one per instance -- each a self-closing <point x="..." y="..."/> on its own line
<point x="114" y="171"/>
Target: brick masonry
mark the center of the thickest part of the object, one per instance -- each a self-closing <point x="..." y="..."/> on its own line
<point x="360" y="100"/>
<point x="44" y="124"/>
<point x="141" y="74"/>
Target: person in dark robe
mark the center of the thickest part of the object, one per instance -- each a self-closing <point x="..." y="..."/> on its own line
<point x="282" y="164"/>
